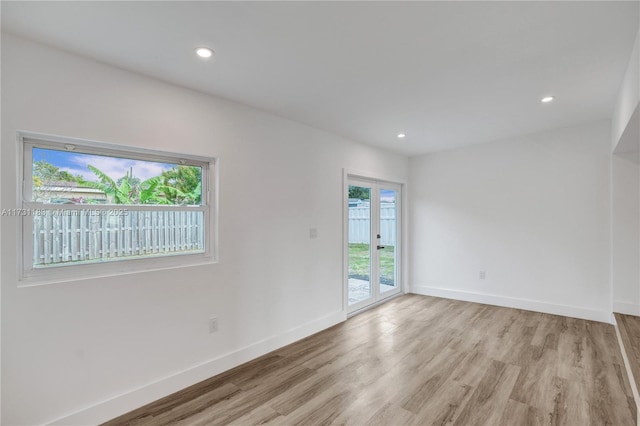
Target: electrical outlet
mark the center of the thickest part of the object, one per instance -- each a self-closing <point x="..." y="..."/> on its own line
<point x="213" y="325"/>
<point x="483" y="275"/>
<point x="313" y="233"/>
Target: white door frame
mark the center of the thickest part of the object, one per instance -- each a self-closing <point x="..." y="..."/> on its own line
<point x="374" y="274"/>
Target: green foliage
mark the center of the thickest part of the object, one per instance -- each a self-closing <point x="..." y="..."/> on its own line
<point x="359" y="192"/>
<point x="117" y="194"/>
<point x="150" y="193"/>
<point x="133" y="181"/>
<point x="183" y="185"/>
<point x="360" y="261"/>
<point x="45" y="177"/>
<point x="126" y="190"/>
<point x="180" y="185"/>
<point x="45" y="173"/>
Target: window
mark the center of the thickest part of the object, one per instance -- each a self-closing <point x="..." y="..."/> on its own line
<point x="95" y="209"/>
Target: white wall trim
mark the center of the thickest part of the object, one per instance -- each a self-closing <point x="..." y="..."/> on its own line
<point x="626" y="308"/>
<point x="512" y="302"/>
<point x="378" y="177"/>
<point x="130" y="400"/>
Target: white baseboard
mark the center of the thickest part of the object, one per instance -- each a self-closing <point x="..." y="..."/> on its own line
<point x="512" y="302"/>
<point x="626" y="308"/>
<point x="132" y="399"/>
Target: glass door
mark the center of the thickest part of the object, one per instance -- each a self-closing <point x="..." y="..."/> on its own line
<point x="387" y="245"/>
<point x="373" y="228"/>
<point x="360" y="291"/>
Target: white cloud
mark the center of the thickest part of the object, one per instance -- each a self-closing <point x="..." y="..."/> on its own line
<point x="113" y="167"/>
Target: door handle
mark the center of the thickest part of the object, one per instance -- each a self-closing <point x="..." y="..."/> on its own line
<point x="380" y="247"/>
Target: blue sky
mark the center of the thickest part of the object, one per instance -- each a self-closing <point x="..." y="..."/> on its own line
<point x="76" y="164"/>
<point x="388" y="195"/>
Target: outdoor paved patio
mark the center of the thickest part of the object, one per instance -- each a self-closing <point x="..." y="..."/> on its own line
<point x="361" y="289"/>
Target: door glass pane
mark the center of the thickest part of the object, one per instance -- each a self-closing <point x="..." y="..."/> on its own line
<point x="388" y="238"/>
<point x="359" y="244"/>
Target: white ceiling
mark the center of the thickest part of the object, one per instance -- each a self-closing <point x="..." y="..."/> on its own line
<point x="448" y="74"/>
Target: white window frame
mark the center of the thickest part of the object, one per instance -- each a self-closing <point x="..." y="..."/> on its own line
<point x="29" y="275"/>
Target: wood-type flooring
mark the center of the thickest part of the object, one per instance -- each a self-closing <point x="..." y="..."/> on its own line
<point x="629" y="328"/>
<point x="420" y="360"/>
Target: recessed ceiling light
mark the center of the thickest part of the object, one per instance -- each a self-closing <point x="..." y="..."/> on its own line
<point x="204" y="52"/>
<point x="401" y="136"/>
<point x="547" y="99"/>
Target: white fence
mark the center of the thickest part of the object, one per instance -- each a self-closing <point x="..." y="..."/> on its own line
<point x="79" y="235"/>
<point x="360" y="224"/>
<point x="85" y="235"/>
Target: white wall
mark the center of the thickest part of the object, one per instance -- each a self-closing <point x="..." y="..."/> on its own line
<point x="67" y="347"/>
<point x="625" y="194"/>
<point x="625" y="228"/>
<point x="533" y="212"/>
<point x="628" y="96"/>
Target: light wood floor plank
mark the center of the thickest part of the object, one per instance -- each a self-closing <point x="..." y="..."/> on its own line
<point x="423" y="361"/>
<point x="489" y="399"/>
<point x="517" y="413"/>
<point x="629" y="327"/>
<point x="445" y="406"/>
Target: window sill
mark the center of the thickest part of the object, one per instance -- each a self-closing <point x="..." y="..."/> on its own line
<point x="71" y="273"/>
